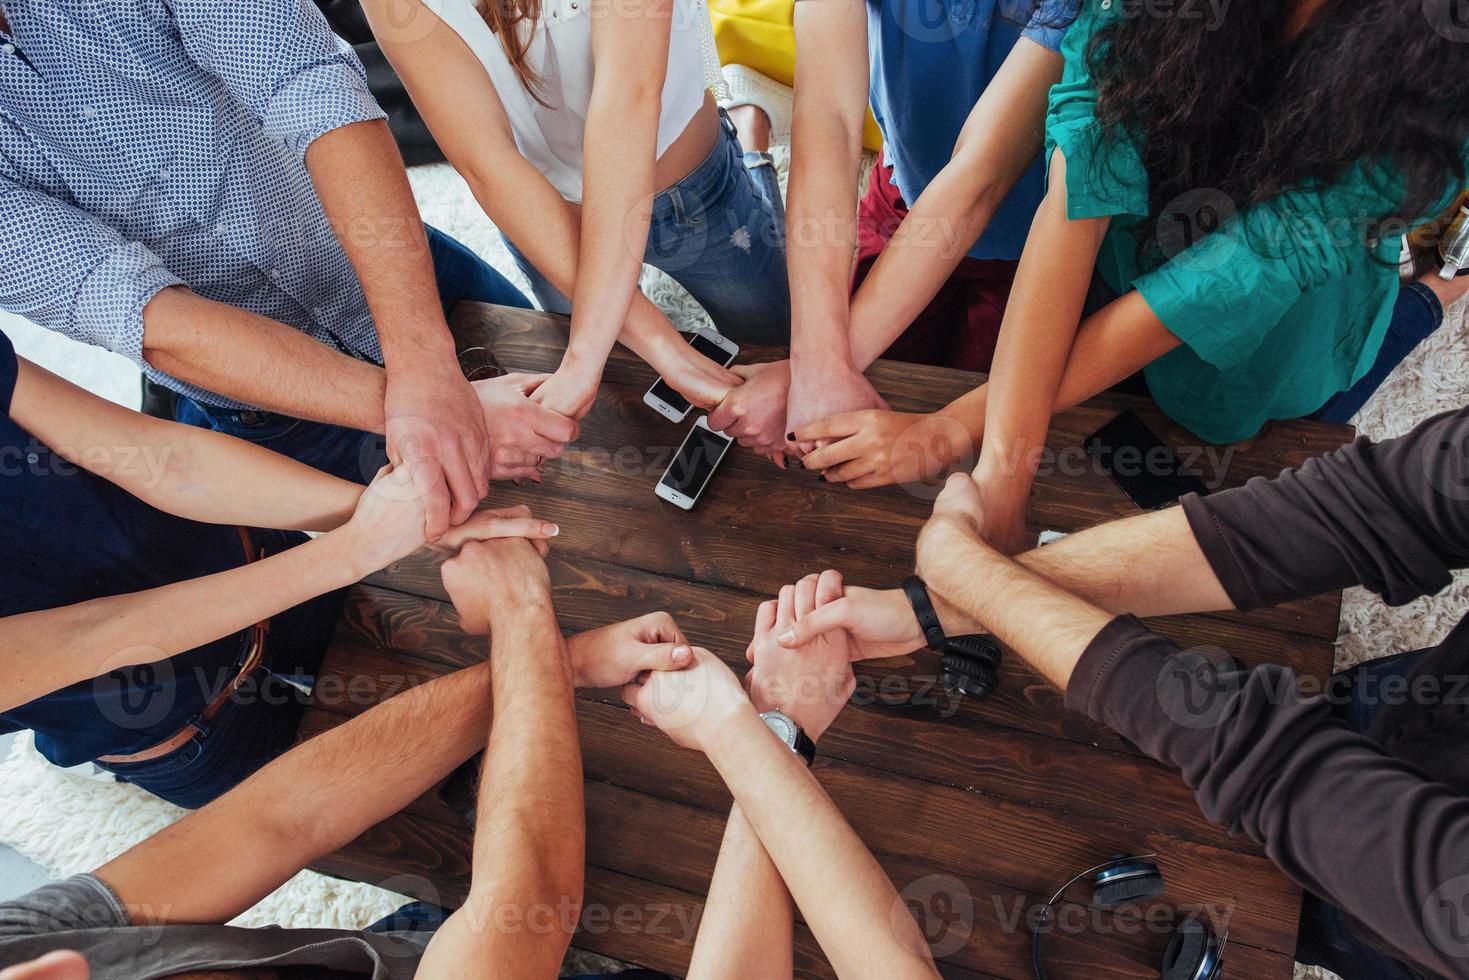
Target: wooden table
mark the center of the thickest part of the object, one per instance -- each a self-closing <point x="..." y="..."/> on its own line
<point x="976" y="812"/>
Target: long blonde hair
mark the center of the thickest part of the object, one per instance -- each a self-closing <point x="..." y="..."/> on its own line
<point x="504" y="18"/>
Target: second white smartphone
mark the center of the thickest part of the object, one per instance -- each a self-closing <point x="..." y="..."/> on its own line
<point x="693" y="465"/>
<point x="668" y="403"/>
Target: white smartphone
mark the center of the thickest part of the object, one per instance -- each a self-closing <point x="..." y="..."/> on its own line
<point x="668" y="403"/>
<point x="693" y="465"/>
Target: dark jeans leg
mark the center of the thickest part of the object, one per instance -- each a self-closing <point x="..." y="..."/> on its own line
<point x="1418" y="314"/>
<point x="463" y="275"/>
<point x="1326" y="935"/>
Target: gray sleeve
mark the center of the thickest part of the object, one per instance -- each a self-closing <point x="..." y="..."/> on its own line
<point x="1369" y="833"/>
<point x="79" y="902"/>
<point x="1392" y="516"/>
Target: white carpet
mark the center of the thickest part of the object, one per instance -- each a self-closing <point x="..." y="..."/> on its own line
<point x="68" y="822"/>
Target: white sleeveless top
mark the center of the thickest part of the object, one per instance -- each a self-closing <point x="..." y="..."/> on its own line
<point x="561" y="55"/>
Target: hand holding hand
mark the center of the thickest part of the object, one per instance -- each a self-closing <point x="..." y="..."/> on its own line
<point x="615" y="655"/>
<point x="506" y="522"/>
<point x="569" y="392"/>
<point x="488" y="578"/>
<point x="877" y="623"/>
<point x="691" y="706"/>
<point x="958" y="516"/>
<point x="437" y="433"/>
<point x="827" y="391"/>
<point x="809" y="681"/>
<point x="877" y="448"/>
<point x="522" y="433"/>
<point x="755" y="412"/>
<point x="703" y="382"/>
<point x="388" y="522"/>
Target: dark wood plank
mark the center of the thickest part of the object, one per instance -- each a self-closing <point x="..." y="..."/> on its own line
<point x="622" y="443"/>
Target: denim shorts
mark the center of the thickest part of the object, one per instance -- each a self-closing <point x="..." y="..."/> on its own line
<point x="719" y="233"/>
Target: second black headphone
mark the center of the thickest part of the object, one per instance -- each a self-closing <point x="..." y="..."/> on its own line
<point x="970" y="665"/>
<point x="1194" y="952"/>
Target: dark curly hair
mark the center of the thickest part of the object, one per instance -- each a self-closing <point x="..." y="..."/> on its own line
<point x="1232" y="103"/>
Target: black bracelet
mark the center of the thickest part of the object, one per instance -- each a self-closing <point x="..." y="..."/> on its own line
<point x="928" y="619"/>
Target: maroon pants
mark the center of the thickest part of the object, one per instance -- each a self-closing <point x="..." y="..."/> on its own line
<point x="959" y="327"/>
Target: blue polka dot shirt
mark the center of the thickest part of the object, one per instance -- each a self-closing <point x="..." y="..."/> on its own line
<point x="152" y="143"/>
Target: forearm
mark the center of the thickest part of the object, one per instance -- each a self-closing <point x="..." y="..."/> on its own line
<point x="1148" y="565"/>
<point x="51" y="649"/>
<point x="535" y="721"/>
<point x="1036" y="337"/>
<point x="747" y="925"/>
<point x="620" y="152"/>
<point x="359" y="177"/>
<point x="1000" y="140"/>
<point x="259" y="361"/>
<point x="309" y="802"/>
<point x="1046" y="626"/>
<point x="846" y="898"/>
<point x="181" y="469"/>
<point x="950" y="214"/>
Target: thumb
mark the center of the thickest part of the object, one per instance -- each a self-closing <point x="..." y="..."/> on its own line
<point x="822" y="620"/>
<point x="666" y="656"/>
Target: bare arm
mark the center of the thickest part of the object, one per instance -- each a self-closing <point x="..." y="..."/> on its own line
<point x="179" y="469"/>
<point x="1000" y="139"/>
<point x="462" y="108"/>
<point x="746" y="929"/>
<point x="223" y="859"/>
<point x="259" y="361"/>
<point x="821" y="207"/>
<point x="526" y="890"/>
<point x="433" y="421"/>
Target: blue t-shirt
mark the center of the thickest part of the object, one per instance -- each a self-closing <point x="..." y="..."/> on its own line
<point x="931" y="60"/>
<point x="68" y="536"/>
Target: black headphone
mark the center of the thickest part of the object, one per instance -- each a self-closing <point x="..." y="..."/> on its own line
<point x="970" y="666"/>
<point x="1194" y="952"/>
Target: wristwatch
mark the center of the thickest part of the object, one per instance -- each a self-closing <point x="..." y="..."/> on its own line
<point x="928" y="619"/>
<point x="790" y="733"/>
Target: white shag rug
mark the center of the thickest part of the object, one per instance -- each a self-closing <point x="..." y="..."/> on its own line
<point x="68" y="822"/>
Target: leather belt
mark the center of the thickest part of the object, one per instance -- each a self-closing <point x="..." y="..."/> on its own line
<point x="254" y="656"/>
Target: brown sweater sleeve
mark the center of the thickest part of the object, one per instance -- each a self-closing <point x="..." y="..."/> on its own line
<point x="1368" y="833"/>
<point x="1393" y="516"/>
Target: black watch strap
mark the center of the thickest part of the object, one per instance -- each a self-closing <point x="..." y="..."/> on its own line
<point x="805" y="748"/>
<point x="928" y="619"/>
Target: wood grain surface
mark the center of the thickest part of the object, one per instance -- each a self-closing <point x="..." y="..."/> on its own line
<point x="978" y="811"/>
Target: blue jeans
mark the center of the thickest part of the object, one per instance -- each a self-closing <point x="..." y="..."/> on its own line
<point x="260" y="719"/>
<point x="720" y="233"/>
<point x="1327" y="937"/>
<point x="350" y="453"/>
<point x="1417" y="314"/>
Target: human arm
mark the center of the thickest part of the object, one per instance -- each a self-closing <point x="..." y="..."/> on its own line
<point x="462" y="108"/>
<point x="843" y="893"/>
<point x="821" y="207"/>
<point x="1001" y="138"/>
<point x="1264" y="761"/>
<point x="530" y="828"/>
<point x="50" y="649"/>
<point x="307" y="803"/>
<point x="746" y="929"/>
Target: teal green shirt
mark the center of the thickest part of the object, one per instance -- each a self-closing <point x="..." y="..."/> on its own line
<point x="1281" y="307"/>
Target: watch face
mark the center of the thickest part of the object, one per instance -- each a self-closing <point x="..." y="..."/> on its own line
<point x="784" y="728"/>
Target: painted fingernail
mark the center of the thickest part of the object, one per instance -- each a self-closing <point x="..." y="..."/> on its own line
<point x="550" y="530"/>
<point x="787" y="638"/>
<point x="790" y="437"/>
<point x="821" y="477"/>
